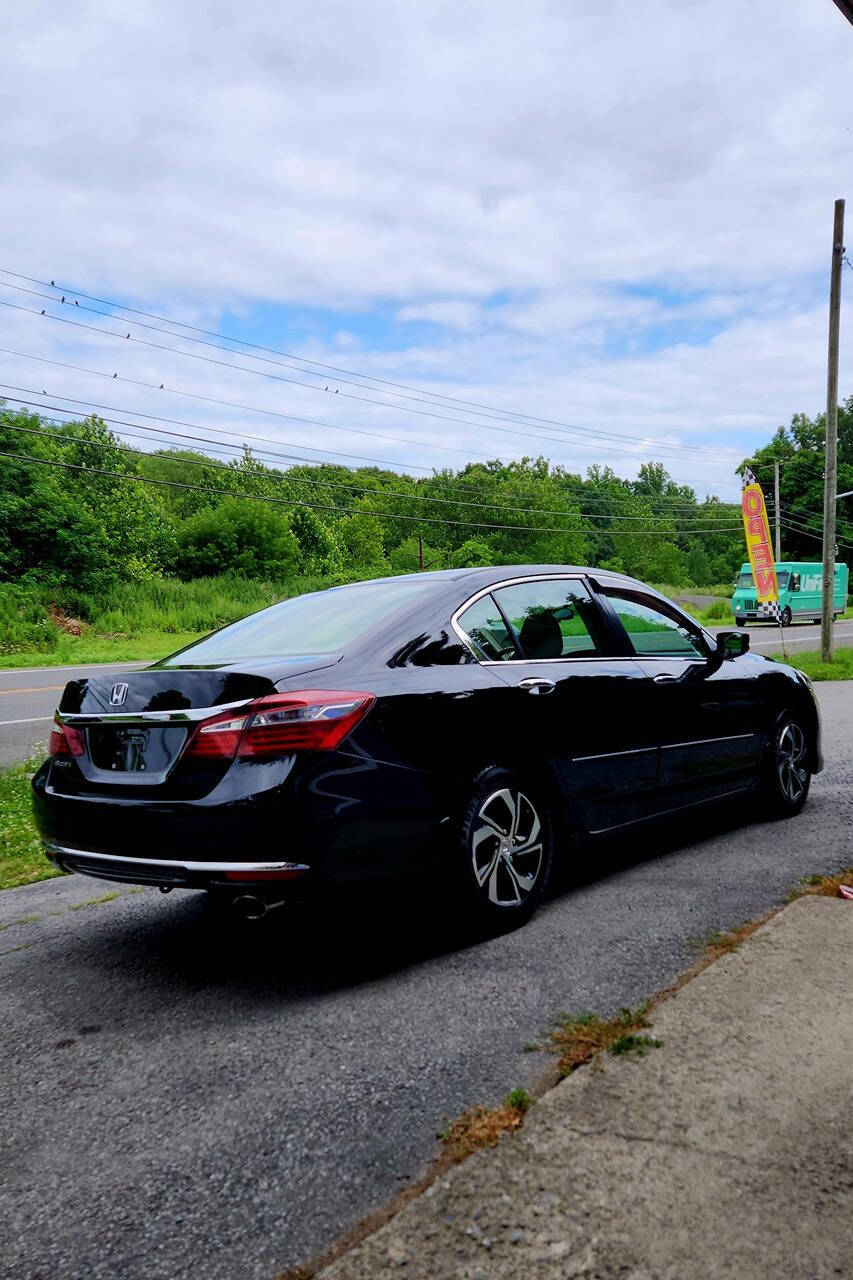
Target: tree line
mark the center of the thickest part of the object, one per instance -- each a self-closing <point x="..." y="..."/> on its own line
<point x="85" y="509"/>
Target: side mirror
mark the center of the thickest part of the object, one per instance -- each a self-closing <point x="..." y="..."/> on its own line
<point x="732" y="644"/>
<point x="795" y="582"/>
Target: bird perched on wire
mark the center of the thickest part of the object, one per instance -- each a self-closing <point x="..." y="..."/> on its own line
<point x="115" y="375"/>
<point x="53" y="283"/>
<point x="127" y="335"/>
<point x="62" y="299"/>
<point x="42" y="310"/>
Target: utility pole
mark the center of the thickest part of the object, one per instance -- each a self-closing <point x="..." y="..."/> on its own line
<point x="420" y="553"/>
<point x="829" y="488"/>
<point x="778" y="522"/>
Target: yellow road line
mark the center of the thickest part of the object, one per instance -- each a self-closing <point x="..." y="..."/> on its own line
<point x="39" y="688"/>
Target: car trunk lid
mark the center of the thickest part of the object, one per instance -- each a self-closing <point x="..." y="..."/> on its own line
<point x="130" y="730"/>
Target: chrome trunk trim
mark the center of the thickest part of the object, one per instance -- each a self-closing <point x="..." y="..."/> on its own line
<point x="187" y="716"/>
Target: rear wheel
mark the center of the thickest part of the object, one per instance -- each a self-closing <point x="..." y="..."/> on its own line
<point x="505" y="849"/>
<point x="787" y="776"/>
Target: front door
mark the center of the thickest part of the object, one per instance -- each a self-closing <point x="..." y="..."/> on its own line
<point x="706" y="707"/>
<point x="577" y="702"/>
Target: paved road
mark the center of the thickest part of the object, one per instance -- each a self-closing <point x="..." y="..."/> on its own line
<point x="28" y="698"/>
<point x="183" y="1095"/>
<point x="768" y="639"/>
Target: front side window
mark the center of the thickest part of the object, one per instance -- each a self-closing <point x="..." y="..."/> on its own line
<point x="552" y="618"/>
<point x="654" y="632"/>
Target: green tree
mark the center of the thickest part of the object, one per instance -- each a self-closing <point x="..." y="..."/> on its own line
<point x="472" y="554"/>
<point x="238" y="536"/>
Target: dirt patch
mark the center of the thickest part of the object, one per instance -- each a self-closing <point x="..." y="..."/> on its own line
<point x="60" y="619"/>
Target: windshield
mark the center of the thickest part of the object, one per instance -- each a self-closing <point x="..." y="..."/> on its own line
<point x="319" y="623"/>
<point x="745" y="581"/>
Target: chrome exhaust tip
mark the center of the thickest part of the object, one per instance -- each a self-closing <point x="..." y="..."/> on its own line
<point x="250" y="907"/>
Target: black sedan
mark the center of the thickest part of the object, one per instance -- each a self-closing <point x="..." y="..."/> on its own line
<point x="482" y="720"/>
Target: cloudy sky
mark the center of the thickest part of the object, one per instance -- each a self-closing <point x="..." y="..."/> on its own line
<point x="606" y="215"/>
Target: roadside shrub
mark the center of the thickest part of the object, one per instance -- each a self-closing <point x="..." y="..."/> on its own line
<point x="238" y="537"/>
<point x="720" y="610"/>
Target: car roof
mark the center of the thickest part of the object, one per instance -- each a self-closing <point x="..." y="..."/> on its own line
<point x="486" y="575"/>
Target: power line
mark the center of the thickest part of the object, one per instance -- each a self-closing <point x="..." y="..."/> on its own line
<point x="127" y="477"/>
<point x="809" y="533"/>
<point x="283" y="476"/>
<point x="525" y="435"/>
<point x="229" y="404"/>
<point x="276" y="454"/>
<point x="326" y="484"/>
<point x="155" y="417"/>
<point x="349" y="377"/>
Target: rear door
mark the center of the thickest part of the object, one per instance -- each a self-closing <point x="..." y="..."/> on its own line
<point x="707" y="709"/>
<point x="577" y="701"/>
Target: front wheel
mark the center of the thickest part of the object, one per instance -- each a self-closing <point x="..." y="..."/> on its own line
<point x="740" y="622"/>
<point x="505" y="849"/>
<point x="785" y="617"/>
<point x="787" y="775"/>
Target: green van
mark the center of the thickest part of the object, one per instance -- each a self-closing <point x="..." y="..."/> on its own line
<point x="800" y="587"/>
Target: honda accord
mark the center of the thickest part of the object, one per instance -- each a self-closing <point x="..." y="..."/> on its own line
<point x="477" y="720"/>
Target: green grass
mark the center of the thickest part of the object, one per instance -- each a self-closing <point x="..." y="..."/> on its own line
<point x="22" y="858"/>
<point x="77" y="650"/>
<point x="841" y="667"/>
<point x="127" y="621"/>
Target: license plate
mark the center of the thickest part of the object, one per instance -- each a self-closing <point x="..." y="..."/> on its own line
<point x="135" y="749"/>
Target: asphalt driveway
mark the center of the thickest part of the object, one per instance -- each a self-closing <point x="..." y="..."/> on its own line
<point x="185" y="1096"/>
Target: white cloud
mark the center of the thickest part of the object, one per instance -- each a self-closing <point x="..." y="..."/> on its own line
<point x="606" y="213"/>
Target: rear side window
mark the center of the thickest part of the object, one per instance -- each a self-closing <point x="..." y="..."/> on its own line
<point x="654" y="632"/>
<point x="487" y="632"/>
<point x="552" y="618"/>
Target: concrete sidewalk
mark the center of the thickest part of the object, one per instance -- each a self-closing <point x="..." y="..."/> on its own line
<point x="725" y="1153"/>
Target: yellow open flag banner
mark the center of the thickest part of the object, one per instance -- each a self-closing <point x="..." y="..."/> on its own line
<point x="758" y="544"/>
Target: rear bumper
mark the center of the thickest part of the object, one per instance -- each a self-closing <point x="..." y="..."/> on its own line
<point x="336" y="818"/>
<point x="174" y="874"/>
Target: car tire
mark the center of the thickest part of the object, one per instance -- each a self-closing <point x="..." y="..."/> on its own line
<point x="787" y="776"/>
<point x="785" y="617"/>
<point x="505" y="848"/>
<point x="740" y="622"/>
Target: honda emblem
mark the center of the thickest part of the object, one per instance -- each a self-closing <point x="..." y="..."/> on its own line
<point x="118" y="695"/>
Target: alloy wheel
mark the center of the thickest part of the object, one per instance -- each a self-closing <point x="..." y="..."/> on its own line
<point x="790" y="754"/>
<point x="507" y="850"/>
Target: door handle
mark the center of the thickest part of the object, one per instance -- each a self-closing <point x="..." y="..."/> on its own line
<point x="665" y="679"/>
<point x="533" y="684"/>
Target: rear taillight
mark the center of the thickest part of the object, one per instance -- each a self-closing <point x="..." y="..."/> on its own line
<point x="310" y="720"/>
<point x="65" y="741"/>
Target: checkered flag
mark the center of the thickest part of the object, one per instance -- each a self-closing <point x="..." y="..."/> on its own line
<point x="748" y="477"/>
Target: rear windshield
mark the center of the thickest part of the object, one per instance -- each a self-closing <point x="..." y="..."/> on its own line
<point x="322" y="622"/>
